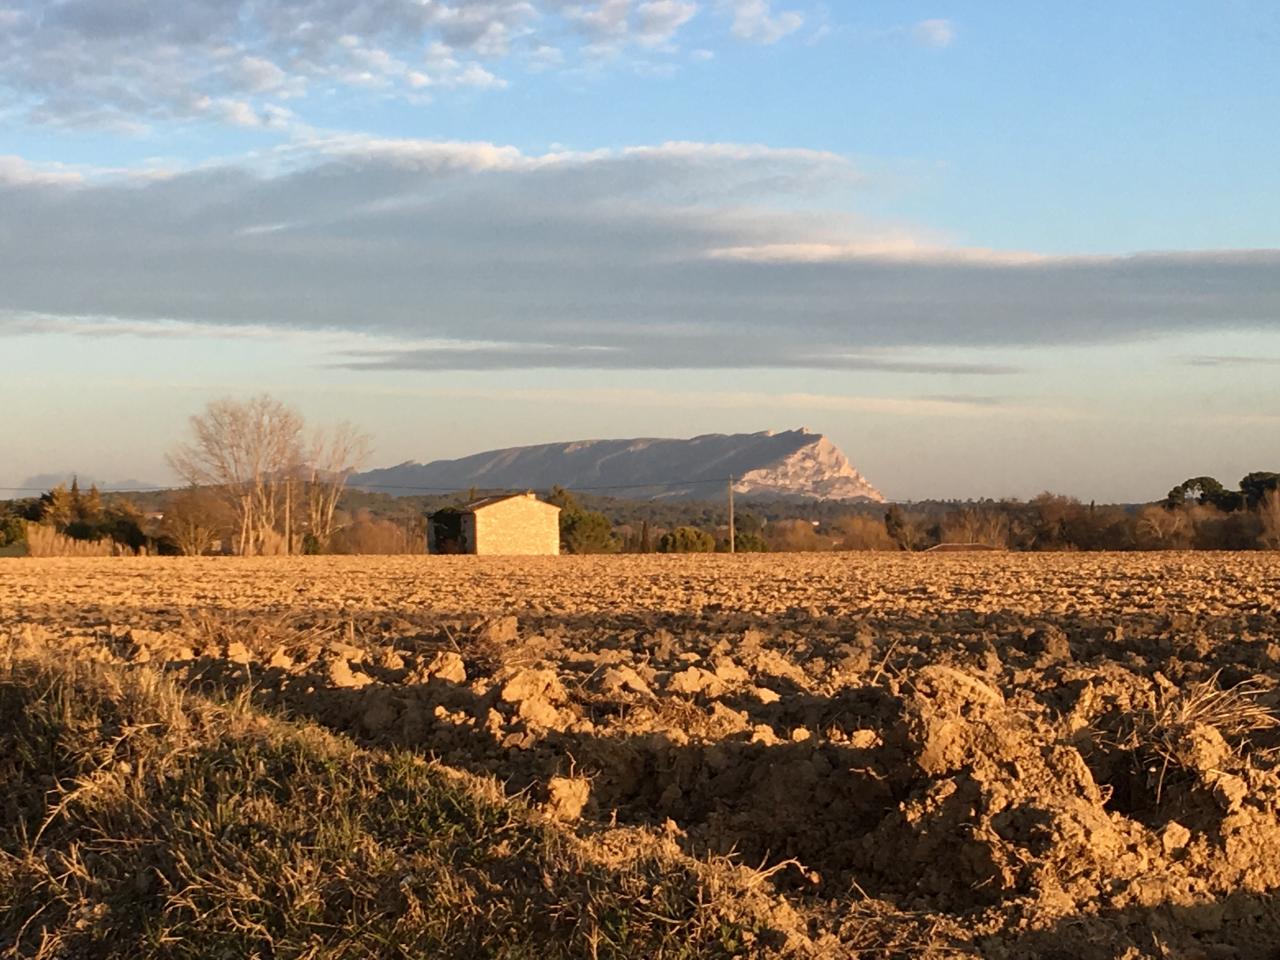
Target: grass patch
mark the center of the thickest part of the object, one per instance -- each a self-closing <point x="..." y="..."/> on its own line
<point x="141" y="821"/>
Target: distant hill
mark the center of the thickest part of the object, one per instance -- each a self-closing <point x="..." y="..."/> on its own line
<point x="793" y="463"/>
<point x="47" y="481"/>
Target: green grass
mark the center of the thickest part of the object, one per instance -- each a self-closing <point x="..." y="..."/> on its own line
<point x="137" y="820"/>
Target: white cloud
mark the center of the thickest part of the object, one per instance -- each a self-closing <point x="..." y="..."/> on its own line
<point x="689" y="150"/>
<point x="755" y="20"/>
<point x="602" y="20"/>
<point x="243" y="113"/>
<point x="428" y="156"/>
<point x="19" y="172"/>
<point x="545" y="57"/>
<point x="476" y="76"/>
<point x="819" y="35"/>
<point x="934" y="33"/>
<point x="240" y="114"/>
<point x="259" y="75"/>
<point x="31" y="323"/>
<point x="445" y="70"/>
<point x="130" y="66"/>
<point x="657" y="21"/>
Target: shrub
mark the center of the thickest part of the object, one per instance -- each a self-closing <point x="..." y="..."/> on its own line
<point x="750" y="543"/>
<point x="687" y="540"/>
<point x="863" y="533"/>
<point x="373" y="536"/>
<point x="796" y="535"/>
<point x="584" y="531"/>
<point x="12" y="530"/>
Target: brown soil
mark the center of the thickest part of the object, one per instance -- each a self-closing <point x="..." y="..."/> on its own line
<point x="1024" y="755"/>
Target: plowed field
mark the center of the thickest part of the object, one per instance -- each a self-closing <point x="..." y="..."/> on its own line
<point x="1005" y="755"/>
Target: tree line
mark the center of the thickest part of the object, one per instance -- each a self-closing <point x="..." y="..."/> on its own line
<point x="194" y="519"/>
<point x="1245" y="519"/>
<point x="1198" y="514"/>
<point x="584" y="531"/>
<point x="66" y="518"/>
<point x="258" y="481"/>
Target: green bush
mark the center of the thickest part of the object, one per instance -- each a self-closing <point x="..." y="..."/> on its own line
<point x="687" y="540"/>
<point x="750" y="543"/>
<point x="12" y="530"/>
<point x="583" y="531"/>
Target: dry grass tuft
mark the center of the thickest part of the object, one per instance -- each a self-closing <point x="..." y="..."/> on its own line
<point x="1235" y="712"/>
<point x="43" y="541"/>
<point x="1190" y="730"/>
<point x="262" y="633"/>
<point x="143" y="822"/>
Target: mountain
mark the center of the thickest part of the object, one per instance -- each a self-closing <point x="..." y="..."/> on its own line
<point x="794" y="463"/>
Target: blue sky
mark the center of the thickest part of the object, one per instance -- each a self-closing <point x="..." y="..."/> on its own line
<point x="989" y="248"/>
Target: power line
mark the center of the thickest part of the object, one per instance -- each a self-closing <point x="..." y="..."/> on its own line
<point x="129" y="490"/>
<point x="569" y="487"/>
<point x="424" y="489"/>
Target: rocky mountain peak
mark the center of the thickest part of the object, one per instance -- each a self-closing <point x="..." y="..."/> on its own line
<point x="791" y="463"/>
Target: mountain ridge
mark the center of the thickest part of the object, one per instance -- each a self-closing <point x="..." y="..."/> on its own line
<point x="791" y="463"/>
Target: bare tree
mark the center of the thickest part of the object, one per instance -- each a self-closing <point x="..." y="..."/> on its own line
<point x="863" y="533"/>
<point x="246" y="451"/>
<point x="1269" y="514"/>
<point x="194" y="519"/>
<point x="332" y="456"/>
<point x="1164" y="527"/>
<point x="976" y="525"/>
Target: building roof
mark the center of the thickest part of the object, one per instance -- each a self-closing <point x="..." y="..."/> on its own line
<point x="483" y="502"/>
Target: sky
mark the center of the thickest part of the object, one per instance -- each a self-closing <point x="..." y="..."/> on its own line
<point x="989" y="248"/>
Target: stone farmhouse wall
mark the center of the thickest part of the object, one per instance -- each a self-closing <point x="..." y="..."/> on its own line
<point x="517" y="527"/>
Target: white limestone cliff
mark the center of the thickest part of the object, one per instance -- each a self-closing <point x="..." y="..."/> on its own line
<point x="792" y="463"/>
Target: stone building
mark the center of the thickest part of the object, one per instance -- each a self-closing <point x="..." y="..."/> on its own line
<point x="515" y="525"/>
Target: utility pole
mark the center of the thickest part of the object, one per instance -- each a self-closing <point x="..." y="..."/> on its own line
<point x="733" y="545"/>
<point x="288" y="516"/>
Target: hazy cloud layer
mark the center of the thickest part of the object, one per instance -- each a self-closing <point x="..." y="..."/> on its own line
<point x="648" y="353"/>
<point x="655" y="257"/>
<point x="1232" y="361"/>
